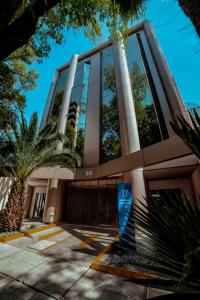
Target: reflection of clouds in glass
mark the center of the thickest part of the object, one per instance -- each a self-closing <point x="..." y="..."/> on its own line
<point x="132" y="50"/>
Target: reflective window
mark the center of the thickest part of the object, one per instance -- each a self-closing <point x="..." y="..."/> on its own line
<point x="75" y="132"/>
<point x="110" y="138"/>
<point x="58" y="95"/>
<point x="146" y="114"/>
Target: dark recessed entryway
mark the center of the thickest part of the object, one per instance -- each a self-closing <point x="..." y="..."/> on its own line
<point x="92" y="203"/>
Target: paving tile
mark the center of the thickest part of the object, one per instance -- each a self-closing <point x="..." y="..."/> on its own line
<point x="30" y="258"/>
<point x="7" y="250"/>
<point x="14" y="268"/>
<point x="23" y="243"/>
<point x="108" y="295"/>
<point x="16" y="290"/>
<point x="75" y="256"/>
<point x="60" y="237"/>
<point x="93" y="280"/>
<point x="153" y="293"/>
<point x="54" y="278"/>
<point x="4" y="280"/>
<point x="39" y="296"/>
<point x="115" y="283"/>
<point x="42" y="245"/>
<point x="95" y="293"/>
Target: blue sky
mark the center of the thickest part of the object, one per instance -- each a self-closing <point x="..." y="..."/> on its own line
<point x="175" y="33"/>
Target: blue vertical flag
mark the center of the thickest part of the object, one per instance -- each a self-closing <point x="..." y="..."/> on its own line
<point x="125" y="212"/>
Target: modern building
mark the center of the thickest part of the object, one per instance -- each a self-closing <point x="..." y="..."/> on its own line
<point x="121" y="97"/>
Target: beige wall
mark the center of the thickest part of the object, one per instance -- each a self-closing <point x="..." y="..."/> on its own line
<point x="178" y="183"/>
<point x="28" y="200"/>
<point x="54" y="203"/>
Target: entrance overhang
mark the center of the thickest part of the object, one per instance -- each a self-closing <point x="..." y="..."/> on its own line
<point x="168" y="150"/>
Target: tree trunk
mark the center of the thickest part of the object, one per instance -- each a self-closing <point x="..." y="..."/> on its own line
<point x="17" y="33"/>
<point x="12" y="215"/>
<point x="192" y="9"/>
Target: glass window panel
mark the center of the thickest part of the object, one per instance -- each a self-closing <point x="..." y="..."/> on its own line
<point x="147" y="120"/>
<point x="75" y="132"/>
<point x="132" y="50"/>
<point x="58" y="95"/>
<point x="110" y="138"/>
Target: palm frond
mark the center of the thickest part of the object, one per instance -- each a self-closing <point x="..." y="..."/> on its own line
<point x="32" y="127"/>
<point x="29" y="149"/>
<point x="166" y="238"/>
<point x="190" y="135"/>
<point x="131" y="7"/>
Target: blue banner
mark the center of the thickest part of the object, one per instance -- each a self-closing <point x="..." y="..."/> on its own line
<point x="125" y="212"/>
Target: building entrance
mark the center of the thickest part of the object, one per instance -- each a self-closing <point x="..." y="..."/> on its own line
<point x="39" y="205"/>
<point x="38" y="202"/>
<point x="92" y="203"/>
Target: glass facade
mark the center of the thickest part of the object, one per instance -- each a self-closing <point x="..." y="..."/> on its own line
<point x="110" y="135"/>
<point x="150" y="121"/>
<point x="77" y="113"/>
<point x="147" y="116"/>
<point x="58" y="95"/>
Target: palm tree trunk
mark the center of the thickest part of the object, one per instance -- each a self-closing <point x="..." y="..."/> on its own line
<point x="12" y="215"/>
<point x="192" y="9"/>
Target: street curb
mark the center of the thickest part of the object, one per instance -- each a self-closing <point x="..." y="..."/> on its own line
<point x="49" y="235"/>
<point x="32" y="231"/>
<point x="118" y="271"/>
<point x="7" y="239"/>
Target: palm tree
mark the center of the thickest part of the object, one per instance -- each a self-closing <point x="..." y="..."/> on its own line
<point x="23" y="149"/>
<point x="189" y="134"/>
<point x="168" y="228"/>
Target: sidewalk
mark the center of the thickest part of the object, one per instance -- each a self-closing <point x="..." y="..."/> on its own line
<point x="62" y="269"/>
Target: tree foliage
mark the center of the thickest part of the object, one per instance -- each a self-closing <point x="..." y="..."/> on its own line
<point x="35" y="21"/>
<point x="189" y="132"/>
<point x="145" y="113"/>
<point x="23" y="149"/>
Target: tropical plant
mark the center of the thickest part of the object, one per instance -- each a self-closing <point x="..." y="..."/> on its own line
<point x="23" y="149"/>
<point x="167" y="227"/>
<point x="189" y="133"/>
<point x="165" y="240"/>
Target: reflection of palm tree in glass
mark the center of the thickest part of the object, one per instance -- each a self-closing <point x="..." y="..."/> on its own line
<point x="70" y="130"/>
<point x="145" y="113"/>
<point x="110" y="119"/>
<point x="57" y="106"/>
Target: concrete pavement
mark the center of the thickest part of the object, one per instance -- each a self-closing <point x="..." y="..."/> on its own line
<point x="62" y="270"/>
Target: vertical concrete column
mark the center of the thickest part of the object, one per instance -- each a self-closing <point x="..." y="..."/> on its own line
<point x="92" y="130"/>
<point x="127" y="117"/>
<point x="66" y="98"/>
<point x="49" y="101"/>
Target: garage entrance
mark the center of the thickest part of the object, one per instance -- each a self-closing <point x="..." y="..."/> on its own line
<point x="92" y="202"/>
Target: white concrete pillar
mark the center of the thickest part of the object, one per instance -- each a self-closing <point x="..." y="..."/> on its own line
<point x="127" y="117"/>
<point x="62" y="124"/>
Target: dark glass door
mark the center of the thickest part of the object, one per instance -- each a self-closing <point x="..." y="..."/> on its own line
<point x="39" y="205"/>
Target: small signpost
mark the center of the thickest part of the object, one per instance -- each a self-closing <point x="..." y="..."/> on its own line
<point x="125" y="212"/>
